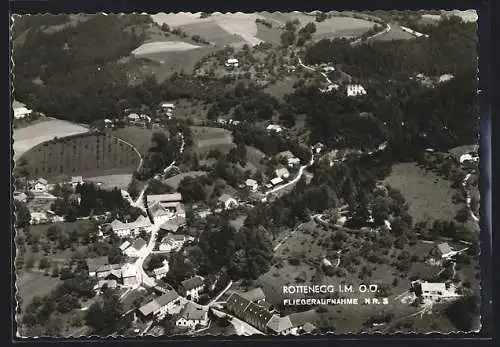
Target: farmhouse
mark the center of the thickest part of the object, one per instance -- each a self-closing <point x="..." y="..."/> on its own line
<point x="192" y="287"/>
<point x="126" y="229"/>
<point x="20" y="196"/>
<point x="192" y="315"/>
<point x="129" y="275"/>
<point x="275" y="128"/>
<point x="160" y="306"/>
<point x="275" y="181"/>
<point x="355" y="90"/>
<point x="174" y="224"/>
<point x="436" y="291"/>
<point x="252" y="184"/>
<point x="280" y="325"/>
<point x="444" y="251"/>
<point x="20" y="110"/>
<point x="158" y="213"/>
<point x="164" y="198"/>
<point x="93" y="264"/>
<point x="254" y="295"/>
<point x="111" y="284"/>
<point x="40" y="185"/>
<point x="161" y="271"/>
<point x="135" y="249"/>
<point x="172" y="242"/>
<point x="249" y="312"/>
<point x="227" y="202"/>
<point x="300" y="325"/>
<point x="232" y="62"/>
<point x="282" y="173"/>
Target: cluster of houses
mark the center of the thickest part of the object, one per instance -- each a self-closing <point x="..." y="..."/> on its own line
<point x="165" y="109"/>
<point x="39" y="199"/>
<point x="252" y="308"/>
<point x="111" y="275"/>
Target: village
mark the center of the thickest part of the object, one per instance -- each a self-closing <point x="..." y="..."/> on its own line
<point x="186" y="201"/>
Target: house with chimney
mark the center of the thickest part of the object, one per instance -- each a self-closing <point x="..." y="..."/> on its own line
<point x="192" y="316"/>
<point x="173" y="242"/>
<point x="192" y="287"/>
<point x="123" y="230"/>
<point x="159" y="307"/>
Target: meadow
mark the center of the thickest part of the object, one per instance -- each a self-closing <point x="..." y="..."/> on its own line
<point x="428" y="195"/>
<point x="208" y="138"/>
<point x="86" y="155"/>
<point x="28" y="137"/>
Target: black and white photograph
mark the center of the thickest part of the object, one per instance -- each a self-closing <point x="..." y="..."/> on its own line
<point x="246" y="174"/>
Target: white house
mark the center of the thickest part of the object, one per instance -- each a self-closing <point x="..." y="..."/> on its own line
<point x="293" y="162"/>
<point x="160" y="306"/>
<point x="124" y="246"/>
<point x="282" y="173"/>
<point x="121" y="229"/>
<point x="159" y="214"/>
<point x="445" y="78"/>
<point x="275" y="181"/>
<point x="76" y="180"/>
<point x="133" y="117"/>
<point x="192" y="287"/>
<point x="436" y="291"/>
<point x="20" y="110"/>
<point x="161" y="271"/>
<point x="172" y="242"/>
<point x="129" y="275"/>
<point x="274" y="127"/>
<point x="232" y="62"/>
<point x="227" y="202"/>
<point x="192" y="315"/>
<point x="40" y="185"/>
<point x="280" y="325"/>
<point x="136" y="248"/>
<point x="168" y="106"/>
<point x="445" y="250"/>
<point x="355" y="90"/>
<point x="252" y="184"/>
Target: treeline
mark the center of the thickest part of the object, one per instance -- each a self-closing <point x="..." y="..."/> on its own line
<point x="451" y="48"/>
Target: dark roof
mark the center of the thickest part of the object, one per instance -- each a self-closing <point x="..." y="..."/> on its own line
<point x="94" y="263"/>
<point x="173" y="224"/>
<point x="249" y="312"/>
<point x="255" y="294"/>
<point x="237" y="304"/>
<point x="191" y="283"/>
<point x="159" y="302"/>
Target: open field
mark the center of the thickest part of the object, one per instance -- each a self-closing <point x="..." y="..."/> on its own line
<point x="396" y="33"/>
<point x="281" y="88"/>
<point x="220" y="29"/>
<point x="33" y="135"/>
<point x="33" y="284"/>
<point x="137" y="137"/>
<point x="85" y="155"/>
<point x="163" y="46"/>
<point x="428" y="195"/>
<point x="177" y="61"/>
<point x="208" y="138"/>
<point x="112" y="181"/>
<point x="175" y="180"/>
<point x="270" y="35"/>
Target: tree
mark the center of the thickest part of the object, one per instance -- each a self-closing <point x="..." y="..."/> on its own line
<point x="44" y="264"/>
<point x="287" y="38"/>
<point x="23" y="216"/>
<point x="320" y="17"/>
<point x="462" y="215"/>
